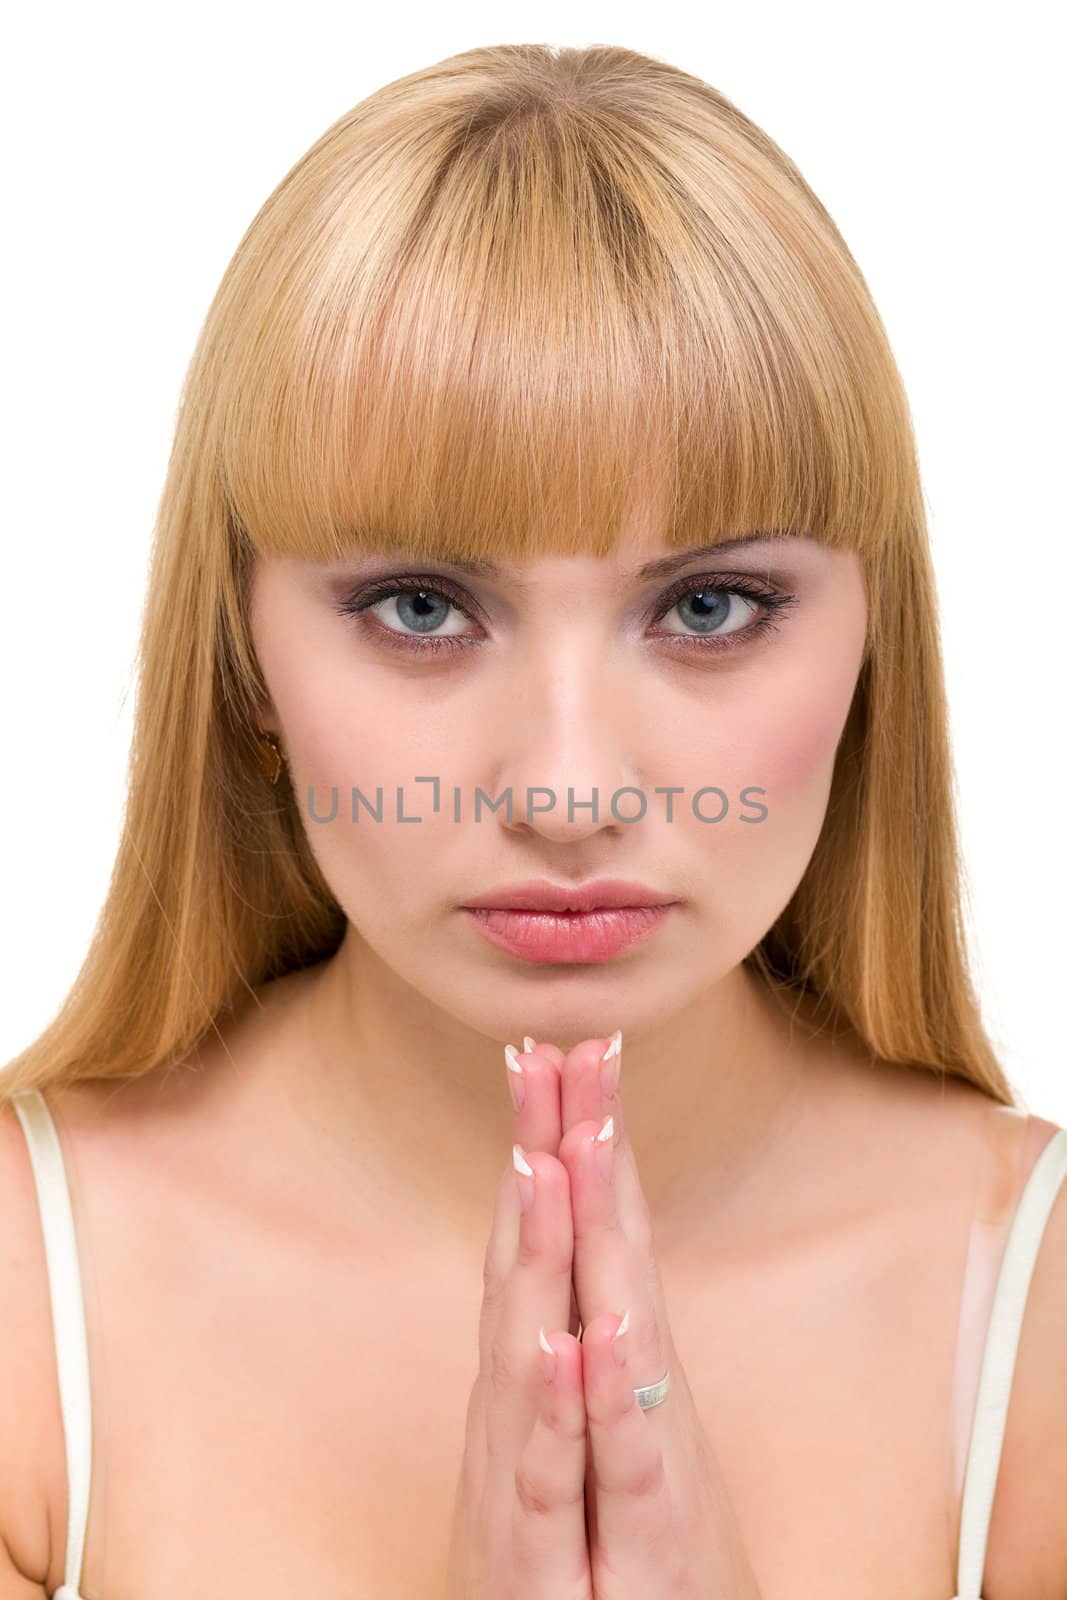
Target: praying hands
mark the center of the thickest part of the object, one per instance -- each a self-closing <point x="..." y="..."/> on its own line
<point x="584" y="1476"/>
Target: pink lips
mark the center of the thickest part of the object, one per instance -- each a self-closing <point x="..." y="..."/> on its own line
<point x="545" y="922"/>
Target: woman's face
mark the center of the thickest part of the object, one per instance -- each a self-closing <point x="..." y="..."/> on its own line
<point x="714" y="696"/>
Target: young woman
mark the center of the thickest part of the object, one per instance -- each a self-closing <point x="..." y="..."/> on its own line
<point x="541" y="649"/>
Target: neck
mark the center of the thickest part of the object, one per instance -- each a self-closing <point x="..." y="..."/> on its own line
<point x="411" y="1107"/>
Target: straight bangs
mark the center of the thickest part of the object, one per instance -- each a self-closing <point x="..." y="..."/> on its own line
<point x="492" y="311"/>
<point x="500" y="307"/>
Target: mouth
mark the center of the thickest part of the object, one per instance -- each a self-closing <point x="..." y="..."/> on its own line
<point x="582" y="937"/>
<point x="602" y="894"/>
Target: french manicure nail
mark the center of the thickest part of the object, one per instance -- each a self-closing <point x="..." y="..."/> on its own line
<point x="548" y="1356"/>
<point x="611" y="1061"/>
<point x="516" y="1077"/>
<point x="617" y="1350"/>
<point x="528" y="1044"/>
<point x="604" y="1142"/>
<point x="525" y="1176"/>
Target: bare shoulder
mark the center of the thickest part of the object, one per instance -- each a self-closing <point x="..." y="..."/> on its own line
<point x="116" y="1141"/>
<point x="31" y="1424"/>
<point x="957" y="1137"/>
<point x="1028" y="1537"/>
<point x="125" y="1146"/>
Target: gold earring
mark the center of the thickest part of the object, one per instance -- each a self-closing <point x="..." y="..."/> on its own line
<point x="269" y="758"/>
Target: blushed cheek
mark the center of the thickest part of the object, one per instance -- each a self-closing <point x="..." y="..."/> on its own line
<point x="789" y="757"/>
<point x="335" y="743"/>
<point x="803" y="710"/>
<point x="797" y="748"/>
<point x="340" y="728"/>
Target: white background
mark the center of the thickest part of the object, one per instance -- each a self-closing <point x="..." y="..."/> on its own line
<point x="138" y="145"/>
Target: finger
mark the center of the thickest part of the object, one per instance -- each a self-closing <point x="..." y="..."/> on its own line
<point x="551" y="1052"/>
<point x="614" y="1266"/>
<point x="589" y="1079"/>
<point x="500" y="1251"/>
<point x="549" y="1545"/>
<point x="586" y="1068"/>
<point x="589" y="1076"/>
<point x="533" y="1082"/>
<point x="533" y="1079"/>
<point x="633" y="1507"/>
<point x="532" y="1290"/>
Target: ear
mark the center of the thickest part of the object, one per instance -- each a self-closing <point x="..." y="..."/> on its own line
<point x="265" y="717"/>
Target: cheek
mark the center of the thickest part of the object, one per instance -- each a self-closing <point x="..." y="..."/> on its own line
<point x="778" y="735"/>
<point x="356" y="742"/>
<point x="795" y="748"/>
<point x="790" y="756"/>
<point x="779" y="738"/>
<point x="796" y="720"/>
<point x="346" y="729"/>
<point x="347" y="734"/>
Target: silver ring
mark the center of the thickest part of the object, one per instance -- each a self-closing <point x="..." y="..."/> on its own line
<point x="653" y="1394"/>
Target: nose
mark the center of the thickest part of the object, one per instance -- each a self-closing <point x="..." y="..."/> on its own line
<point x="570" y="748"/>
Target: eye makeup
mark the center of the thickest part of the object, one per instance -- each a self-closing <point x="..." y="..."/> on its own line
<point x="770" y="601"/>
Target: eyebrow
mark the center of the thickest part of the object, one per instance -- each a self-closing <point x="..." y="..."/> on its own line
<point x="665" y="565"/>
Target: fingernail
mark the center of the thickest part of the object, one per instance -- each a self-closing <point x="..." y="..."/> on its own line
<point x="516" y="1077"/>
<point x="617" y="1350"/>
<point x="611" y="1062"/>
<point x="528" y="1044"/>
<point x="548" y="1356"/>
<point x="524" y="1176"/>
<point x="604" y="1143"/>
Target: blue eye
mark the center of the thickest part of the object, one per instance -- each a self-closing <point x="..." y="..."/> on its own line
<point x="707" y="608"/>
<point x="422" y="608"/>
<point x="420" y="605"/>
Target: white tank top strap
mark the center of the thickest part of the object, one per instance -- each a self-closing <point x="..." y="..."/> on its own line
<point x="998" y="1362"/>
<point x="68" y="1320"/>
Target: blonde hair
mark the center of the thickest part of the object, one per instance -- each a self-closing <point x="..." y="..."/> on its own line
<point x="490" y="306"/>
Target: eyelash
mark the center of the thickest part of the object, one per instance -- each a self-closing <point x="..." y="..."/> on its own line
<point x="388" y="588"/>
